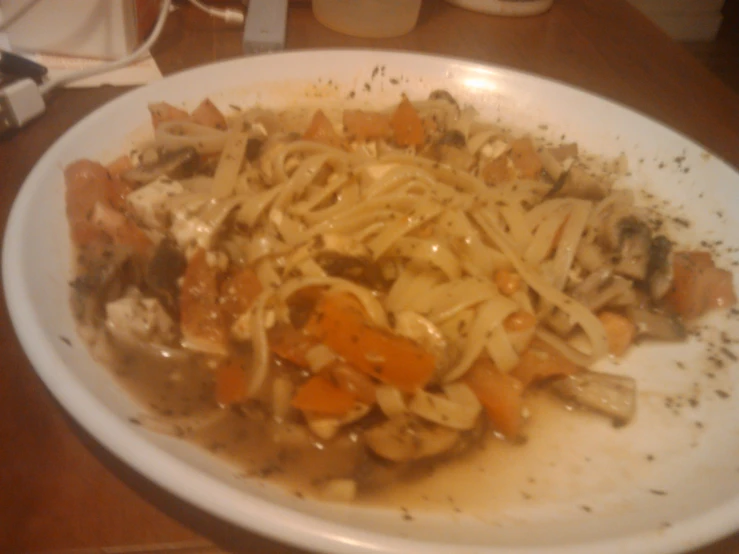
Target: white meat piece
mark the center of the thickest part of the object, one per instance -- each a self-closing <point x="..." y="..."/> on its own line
<point x="134" y="317"/>
<point x="150" y="203"/>
<point x="188" y="229"/>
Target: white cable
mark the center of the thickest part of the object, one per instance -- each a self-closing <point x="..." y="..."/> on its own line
<point x="50" y="85"/>
<point x="227" y="14"/>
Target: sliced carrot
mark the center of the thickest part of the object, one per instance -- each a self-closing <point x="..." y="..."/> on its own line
<point x="496" y="171"/>
<point x="161" y="112"/>
<point x="524" y="157"/>
<point x="238" y="291"/>
<point x="231" y="384"/>
<point x="540" y="361"/>
<point x="407" y="125"/>
<point x="500" y="394"/>
<point x="620" y="332"/>
<point x="322" y="130"/>
<point x="364" y="125"/>
<point x="207" y="114"/>
<point x="201" y="319"/>
<point x="290" y="344"/>
<point x="318" y="395"/>
<point x="698" y="285"/>
<point x="341" y="324"/>
<point x="519" y="321"/>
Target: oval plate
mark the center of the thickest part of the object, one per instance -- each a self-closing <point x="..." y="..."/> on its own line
<point x="666" y="483"/>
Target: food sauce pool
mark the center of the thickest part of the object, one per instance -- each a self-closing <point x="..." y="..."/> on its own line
<point x="565" y="454"/>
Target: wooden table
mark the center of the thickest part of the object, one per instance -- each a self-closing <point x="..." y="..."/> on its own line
<point x="59" y="491"/>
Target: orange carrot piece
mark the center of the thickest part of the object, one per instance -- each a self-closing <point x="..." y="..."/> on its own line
<point x="231" y="384"/>
<point x="161" y="112"/>
<point x="341" y="324"/>
<point x="201" y="319"/>
<point x="407" y="125"/>
<point x="620" y="332"/>
<point x="290" y="344"/>
<point x="698" y="285"/>
<point x="207" y="114"/>
<point x="500" y="394"/>
<point x="363" y="125"/>
<point x="322" y="130"/>
<point x="318" y="395"/>
<point x="238" y="292"/>
<point x="540" y="361"/>
<point x="524" y="157"/>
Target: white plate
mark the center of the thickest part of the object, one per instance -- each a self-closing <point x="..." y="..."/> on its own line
<point x="667" y="483"/>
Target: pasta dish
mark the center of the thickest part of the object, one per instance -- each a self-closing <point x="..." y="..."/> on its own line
<point x="377" y="287"/>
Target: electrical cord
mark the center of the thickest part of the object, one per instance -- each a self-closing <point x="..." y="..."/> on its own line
<point x="50" y="85"/>
<point x="227" y="14"/>
<point x="23" y="100"/>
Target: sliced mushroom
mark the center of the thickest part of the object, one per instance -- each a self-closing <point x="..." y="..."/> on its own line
<point x="441" y="94"/>
<point x="405" y="439"/>
<point x="172" y="163"/>
<point x="659" y="269"/>
<point x="349" y="259"/>
<point x="611" y="395"/>
<point x="103" y="275"/>
<point x="632" y="240"/>
<point x="164" y="269"/>
<point x="453" y="137"/>
<point x="579" y="183"/>
<point x="364" y="271"/>
<point x="253" y="148"/>
<point x="656" y="325"/>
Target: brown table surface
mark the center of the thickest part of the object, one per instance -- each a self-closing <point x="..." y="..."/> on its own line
<point x="59" y="491"/>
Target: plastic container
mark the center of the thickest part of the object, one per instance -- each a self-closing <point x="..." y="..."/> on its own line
<point x="505" y="7"/>
<point x="368" y="18"/>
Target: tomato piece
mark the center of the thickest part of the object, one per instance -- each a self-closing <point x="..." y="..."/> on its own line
<point x="698" y="285"/>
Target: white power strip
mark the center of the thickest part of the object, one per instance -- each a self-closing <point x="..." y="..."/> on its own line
<point x="264" y="30"/>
